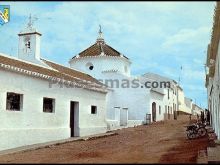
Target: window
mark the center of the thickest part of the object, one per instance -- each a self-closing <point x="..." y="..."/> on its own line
<point x="14" y="101"/>
<point x="28" y="44"/>
<point x="48" y="105"/>
<point x="165" y="109"/>
<point x="90" y="66"/>
<point x="93" y="109"/>
<point x="159" y="109"/>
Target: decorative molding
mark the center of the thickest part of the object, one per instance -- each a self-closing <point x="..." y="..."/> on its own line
<point x="111" y="70"/>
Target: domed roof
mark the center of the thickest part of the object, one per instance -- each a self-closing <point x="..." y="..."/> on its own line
<point x="100" y="48"/>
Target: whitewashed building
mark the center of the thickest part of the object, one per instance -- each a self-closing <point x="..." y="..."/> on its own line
<point x="164" y="97"/>
<point x="188" y="105"/>
<point x="42" y="101"/>
<point x="213" y="73"/>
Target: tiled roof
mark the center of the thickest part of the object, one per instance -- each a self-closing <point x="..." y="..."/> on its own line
<point x="56" y="70"/>
<point x="71" y="72"/>
<point x="99" y="47"/>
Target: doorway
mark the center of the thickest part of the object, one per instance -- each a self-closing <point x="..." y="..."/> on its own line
<point x="124" y="117"/>
<point x="74" y="118"/>
<point x="154" y="111"/>
<point x="168" y="112"/>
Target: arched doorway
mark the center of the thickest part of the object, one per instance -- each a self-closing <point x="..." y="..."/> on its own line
<point x="154" y="111"/>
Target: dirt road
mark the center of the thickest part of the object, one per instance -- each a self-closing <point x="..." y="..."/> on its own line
<point x="161" y="142"/>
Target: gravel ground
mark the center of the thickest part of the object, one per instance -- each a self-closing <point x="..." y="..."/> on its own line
<point x="160" y="142"/>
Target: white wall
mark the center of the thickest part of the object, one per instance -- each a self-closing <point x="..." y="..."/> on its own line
<point x="32" y="125"/>
<point x="101" y="63"/>
<point x="136" y="100"/>
<point x="181" y="97"/>
<point x="213" y="92"/>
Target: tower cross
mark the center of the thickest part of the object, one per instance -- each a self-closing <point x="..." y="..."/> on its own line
<point x="31" y="21"/>
<point x="100" y="38"/>
<point x="100" y="29"/>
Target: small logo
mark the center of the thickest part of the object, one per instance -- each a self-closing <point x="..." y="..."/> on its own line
<point x="4" y="14"/>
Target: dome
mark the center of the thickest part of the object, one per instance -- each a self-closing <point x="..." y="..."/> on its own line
<point x="101" y="59"/>
<point x="100" y="48"/>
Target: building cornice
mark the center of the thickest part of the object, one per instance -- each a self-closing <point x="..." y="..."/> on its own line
<point x="100" y="56"/>
<point x="93" y="87"/>
<point x="29" y="33"/>
<point x="212" y="50"/>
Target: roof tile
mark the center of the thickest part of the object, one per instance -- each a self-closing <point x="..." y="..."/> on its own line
<point x="58" y="71"/>
<point x="97" y="48"/>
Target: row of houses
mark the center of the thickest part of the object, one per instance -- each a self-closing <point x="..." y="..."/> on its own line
<point x="213" y="73"/>
<point x="43" y="101"/>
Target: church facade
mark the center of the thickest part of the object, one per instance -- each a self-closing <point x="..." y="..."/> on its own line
<point x="126" y="105"/>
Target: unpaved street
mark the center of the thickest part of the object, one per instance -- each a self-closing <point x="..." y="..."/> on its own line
<point x="161" y="142"/>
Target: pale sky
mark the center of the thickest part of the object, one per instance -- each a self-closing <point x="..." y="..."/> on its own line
<point x="158" y="37"/>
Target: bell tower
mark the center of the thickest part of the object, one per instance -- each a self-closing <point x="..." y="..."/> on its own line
<point x="29" y="43"/>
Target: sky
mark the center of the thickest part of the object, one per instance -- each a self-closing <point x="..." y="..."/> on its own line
<point x="157" y="37"/>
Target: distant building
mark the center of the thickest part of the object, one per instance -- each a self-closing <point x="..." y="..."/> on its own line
<point x="165" y="97"/>
<point x="197" y="109"/>
<point x="184" y="103"/>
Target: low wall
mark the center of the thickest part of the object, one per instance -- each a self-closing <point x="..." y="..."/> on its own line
<point x="12" y="138"/>
<point x="113" y="125"/>
<point x="132" y="123"/>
